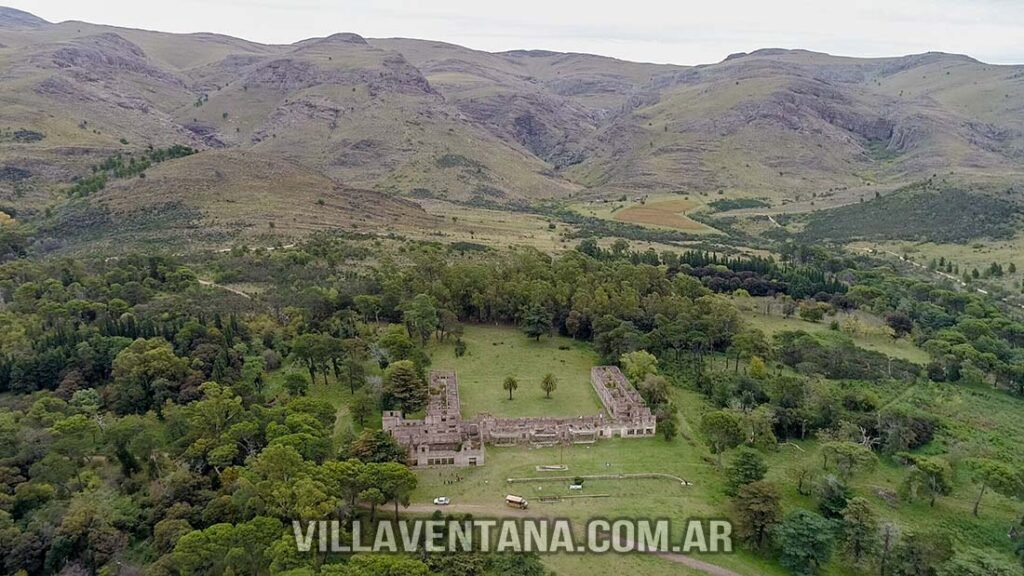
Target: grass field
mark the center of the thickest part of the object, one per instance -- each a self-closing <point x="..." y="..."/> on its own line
<point x="483" y="489"/>
<point x="492" y="228"/>
<point x="872" y="333"/>
<point x="494" y="353"/>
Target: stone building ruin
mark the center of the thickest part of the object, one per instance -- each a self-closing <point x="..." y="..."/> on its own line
<point x="443" y="438"/>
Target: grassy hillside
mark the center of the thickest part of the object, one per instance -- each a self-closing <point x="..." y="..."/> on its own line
<point x="221" y="196"/>
<point x="796" y="130"/>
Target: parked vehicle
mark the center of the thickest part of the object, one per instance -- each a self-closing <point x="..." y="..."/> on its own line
<point x="442" y="501"/>
<point x="516" y="502"/>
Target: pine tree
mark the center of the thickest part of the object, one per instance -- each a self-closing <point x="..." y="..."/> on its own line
<point x="747" y="466"/>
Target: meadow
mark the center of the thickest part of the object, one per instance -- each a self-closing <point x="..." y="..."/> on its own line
<point x="494" y="353"/>
<point x="871" y="332"/>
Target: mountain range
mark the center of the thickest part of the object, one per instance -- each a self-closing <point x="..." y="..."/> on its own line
<point x="362" y="125"/>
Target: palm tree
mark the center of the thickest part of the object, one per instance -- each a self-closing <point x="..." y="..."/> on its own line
<point x="548" y="384"/>
<point x="510" y="384"/>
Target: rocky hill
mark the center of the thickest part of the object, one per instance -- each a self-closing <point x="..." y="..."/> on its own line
<point x="401" y="117"/>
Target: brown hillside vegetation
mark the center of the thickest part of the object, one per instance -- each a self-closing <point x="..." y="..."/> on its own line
<point x="431" y="120"/>
<point x="216" y="196"/>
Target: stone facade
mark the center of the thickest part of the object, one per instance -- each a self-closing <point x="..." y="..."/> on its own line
<point x="443" y="438"/>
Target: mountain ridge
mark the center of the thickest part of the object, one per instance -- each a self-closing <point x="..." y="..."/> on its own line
<point x="407" y="117"/>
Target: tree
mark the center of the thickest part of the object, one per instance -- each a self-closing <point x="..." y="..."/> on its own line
<point x="833" y="496"/>
<point x="974" y="562"/>
<point x="537" y="322"/>
<point x="343" y="478"/>
<point x="447" y="324"/>
<point x="355" y="373"/>
<point x="460" y="347"/>
<point x="848" y="457"/>
<point x="296" y="384"/>
<point x="377" y="565"/>
<point x="900" y="323"/>
<point x="516" y="564"/>
<point x="803" y="474"/>
<point x="638" y="365"/>
<point x="668" y="420"/>
<point x="747" y="466"/>
<point x="361" y="406"/>
<point x="377" y="446"/>
<point x="613" y="337"/>
<point x="510" y="384"/>
<point x="812" y="312"/>
<point x="750" y="343"/>
<point x="421" y="317"/>
<point x="722" y="430"/>
<point x="805" y="542"/>
<point x="145" y="374"/>
<point x="859" y="530"/>
<point x="573" y="323"/>
<point x="397" y="483"/>
<point x="917" y="554"/>
<point x="654" y="389"/>
<point x="374" y="497"/>
<point x="548" y="384"/>
<point x="309" y="349"/>
<point x="758" y="369"/>
<point x="226" y="548"/>
<point x="758" y="510"/>
<point x="75" y="439"/>
<point x="1000" y="477"/>
<point x="369" y="306"/>
<point x="930" y="477"/>
<point x="168" y="531"/>
<point x="87" y="527"/>
<point x="403" y="387"/>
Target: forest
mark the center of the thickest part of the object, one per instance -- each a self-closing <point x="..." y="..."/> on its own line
<point x="147" y="419"/>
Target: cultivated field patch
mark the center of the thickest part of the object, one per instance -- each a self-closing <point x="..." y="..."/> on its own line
<point x="668" y="213"/>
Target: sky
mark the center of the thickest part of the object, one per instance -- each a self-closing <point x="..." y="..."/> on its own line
<point x="678" y="32"/>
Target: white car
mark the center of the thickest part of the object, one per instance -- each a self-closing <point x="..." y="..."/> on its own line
<point x="442" y="501"/>
<point x="575" y="486"/>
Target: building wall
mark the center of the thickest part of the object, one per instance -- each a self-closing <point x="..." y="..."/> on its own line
<point x="430" y="441"/>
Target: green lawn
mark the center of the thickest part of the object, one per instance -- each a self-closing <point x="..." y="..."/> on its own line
<point x="484" y="488"/>
<point x="494" y="353"/>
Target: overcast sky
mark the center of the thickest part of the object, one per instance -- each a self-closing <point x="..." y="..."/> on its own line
<point x="680" y="32"/>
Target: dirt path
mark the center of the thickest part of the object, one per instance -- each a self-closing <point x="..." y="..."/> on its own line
<point x="690" y="562"/>
<point x="685" y="560"/>
<point x="213" y="284"/>
<point x="946" y="275"/>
